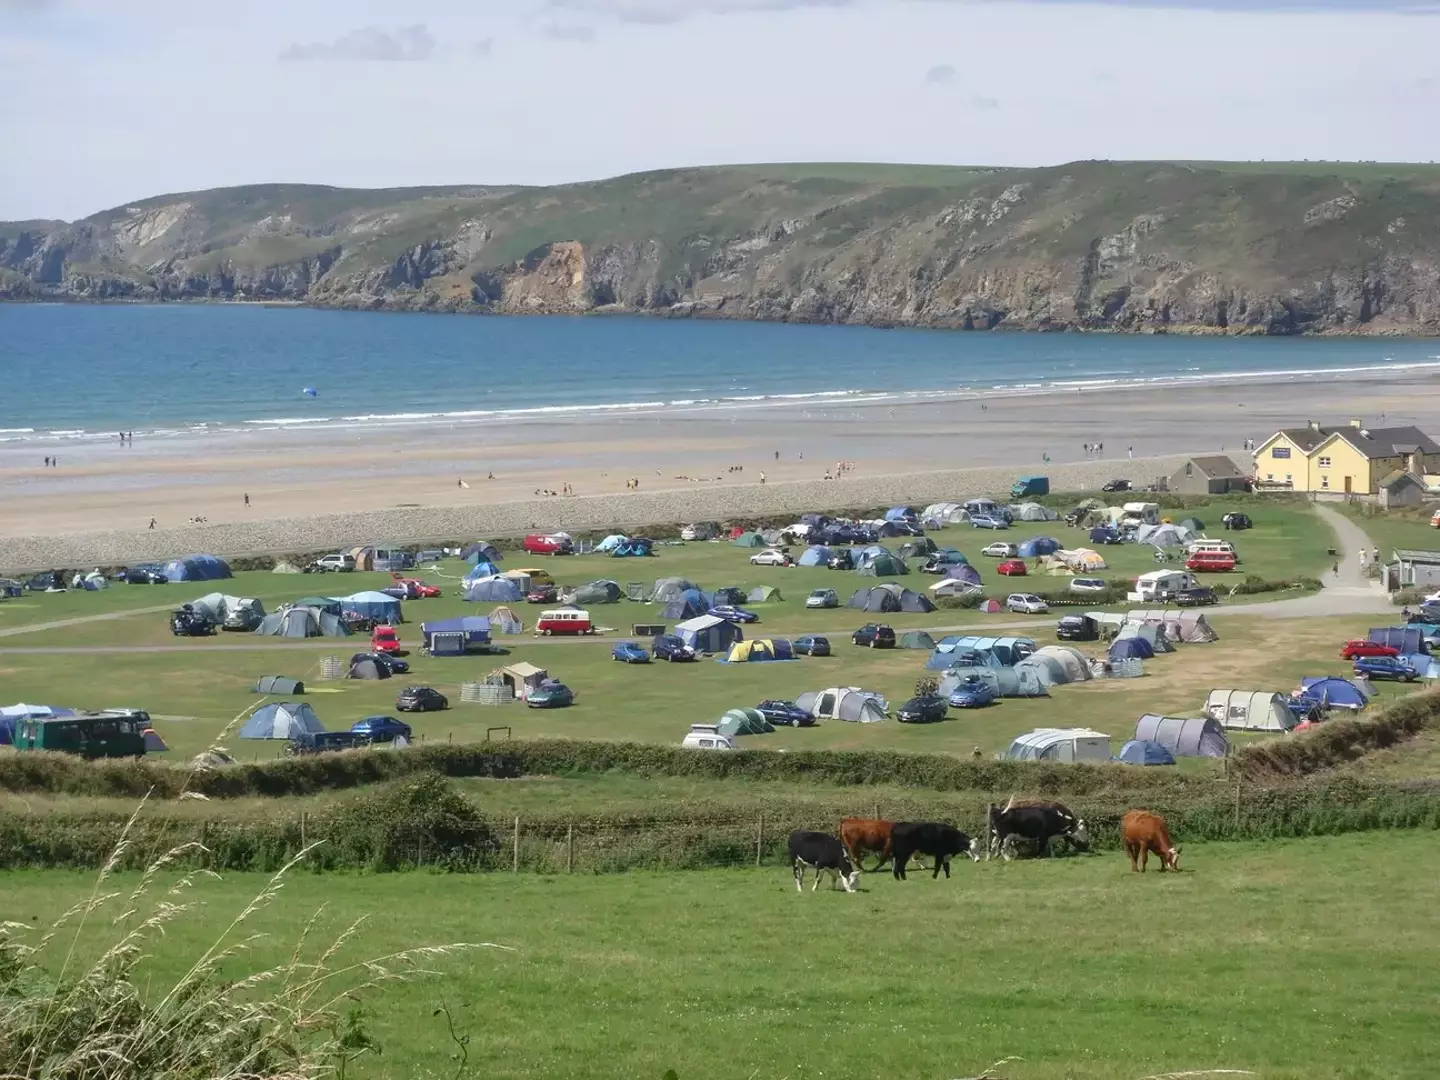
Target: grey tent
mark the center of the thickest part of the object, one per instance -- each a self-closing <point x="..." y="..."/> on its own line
<point x="727" y="594"/>
<point x="279" y="684"/>
<point x="598" y="592"/>
<point x="920" y="545"/>
<point x="1017" y="682"/>
<point x="669" y="589"/>
<point x="916" y="639"/>
<point x="875" y="599"/>
<point x="1184" y="737"/>
<point x="369" y="670"/>
<point x="302" y="622"/>
<point x="844" y="703"/>
<point x="282" y="720"/>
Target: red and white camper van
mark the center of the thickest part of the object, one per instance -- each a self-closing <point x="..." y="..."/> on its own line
<point x="564" y="621"/>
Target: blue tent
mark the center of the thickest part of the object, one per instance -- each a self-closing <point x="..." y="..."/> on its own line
<point x="482" y="569"/>
<point x="962" y="572"/>
<point x="475" y="627"/>
<point x="943" y="659"/>
<point x="1144" y="752"/>
<point x="691" y="603"/>
<point x="900" y="513"/>
<point x="1131" y="647"/>
<point x="373" y="605"/>
<point x="197" y="568"/>
<point x="1334" y="691"/>
<point x="709" y="633"/>
<point x="1405" y="639"/>
<point x="282" y="720"/>
<point x="815" y="555"/>
<point x="1039" y="545"/>
<point x="635" y="546"/>
<point x="481" y="551"/>
<point x="500" y="590"/>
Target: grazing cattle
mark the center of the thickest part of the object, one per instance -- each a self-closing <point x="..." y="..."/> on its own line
<point x="933" y="838"/>
<point x="1144" y="832"/>
<point x="860" y="835"/>
<point x="825" y="854"/>
<point x="1041" y="822"/>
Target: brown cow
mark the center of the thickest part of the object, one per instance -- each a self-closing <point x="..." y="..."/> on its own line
<point x="860" y="835"/>
<point x="1144" y="832"/>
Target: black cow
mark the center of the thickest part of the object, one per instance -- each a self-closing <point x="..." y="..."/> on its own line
<point x="933" y="838"/>
<point x="1040" y="823"/>
<point x="825" y="854"/>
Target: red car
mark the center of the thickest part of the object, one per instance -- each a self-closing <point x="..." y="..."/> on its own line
<point x="1360" y="647"/>
<point x="384" y="639"/>
<point x="539" y="544"/>
<point x="542" y="594"/>
<point x="1012" y="568"/>
<point x="419" y="589"/>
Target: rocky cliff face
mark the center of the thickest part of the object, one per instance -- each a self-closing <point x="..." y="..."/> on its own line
<point x="1087" y="246"/>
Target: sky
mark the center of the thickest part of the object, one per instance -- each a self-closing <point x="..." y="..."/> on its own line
<point x="109" y="101"/>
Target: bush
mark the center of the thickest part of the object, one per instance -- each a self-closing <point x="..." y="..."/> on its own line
<point x="1336" y="742"/>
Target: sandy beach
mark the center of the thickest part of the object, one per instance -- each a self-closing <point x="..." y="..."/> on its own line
<point x="316" y="489"/>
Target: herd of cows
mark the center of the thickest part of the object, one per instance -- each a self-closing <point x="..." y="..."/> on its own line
<point x="1038" y="824"/>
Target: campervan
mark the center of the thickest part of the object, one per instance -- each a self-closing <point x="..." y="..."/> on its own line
<point x="564" y="621"/>
<point x="1161" y="585"/>
<point x="1141" y="513"/>
<point x="706" y="737"/>
<point x="1210" y="547"/>
<point x="1215" y="562"/>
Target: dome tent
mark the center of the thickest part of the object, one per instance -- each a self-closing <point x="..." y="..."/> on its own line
<point x="598" y="592"/>
<point x="495" y="589"/>
<point x="302" y="622"/>
<point x="759" y="650"/>
<point x="278" y="684"/>
<point x="1184" y="737"/>
<point x="815" y="555"/>
<point x="744" y="722"/>
<point x="889" y="597"/>
<point x="197" y="568"/>
<point x="481" y="551"/>
<point x="669" y="589"/>
<point x="763" y="594"/>
<point x="749" y="540"/>
<point x="610" y="543"/>
<point x="1039" y="545"/>
<point x="282" y="720"/>
<point x="483" y="568"/>
<point x="1144" y="752"/>
<point x="1131" y="648"/>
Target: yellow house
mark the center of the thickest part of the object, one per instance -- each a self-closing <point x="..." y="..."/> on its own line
<point x="1346" y="460"/>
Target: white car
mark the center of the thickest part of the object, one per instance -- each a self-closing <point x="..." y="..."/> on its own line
<point x="337" y="561"/>
<point x="999" y="550"/>
<point x="706" y="737"/>
<point x="770" y="558"/>
<point x="822" y="598"/>
<point x="1026" y="604"/>
<point x="1088" y="584"/>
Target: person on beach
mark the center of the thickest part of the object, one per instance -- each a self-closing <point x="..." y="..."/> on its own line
<point x="1130" y="450"/>
<point x="47" y="462"/>
<point x="247" y="498"/>
<point x="152" y="523"/>
<point x="762" y="476"/>
<point x="777" y="455"/>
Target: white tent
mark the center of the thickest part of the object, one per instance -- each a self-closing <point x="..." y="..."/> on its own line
<point x="1060" y="744"/>
<point x="1249" y="710"/>
<point x="1032" y="511"/>
<point x="952" y="587"/>
<point x="946" y="513"/>
<point x="844" y="703"/>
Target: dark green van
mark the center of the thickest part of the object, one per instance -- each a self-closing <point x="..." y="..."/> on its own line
<point x="99" y="736"/>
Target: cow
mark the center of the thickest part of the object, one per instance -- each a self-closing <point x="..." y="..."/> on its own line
<point x="933" y="838"/>
<point x="1040" y="822"/>
<point x="825" y="854"/>
<point x="1144" y="832"/>
<point x="860" y="835"/>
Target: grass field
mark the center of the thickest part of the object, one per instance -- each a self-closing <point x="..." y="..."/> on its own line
<point x="1305" y="959"/>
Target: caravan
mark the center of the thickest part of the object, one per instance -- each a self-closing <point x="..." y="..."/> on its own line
<point x="1140" y="513"/>
<point x="1162" y="585"/>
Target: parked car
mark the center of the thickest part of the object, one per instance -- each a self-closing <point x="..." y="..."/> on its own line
<point x="1077" y="628"/>
<point x="1200" y="596"/>
<point x="986" y="521"/>
<point x="421" y="699"/>
<point x="972" y="693"/>
<point x="822" y="598"/>
<point x="1000" y="550"/>
<point x="1237" y="521"/>
<point x="384" y="639"/>
<point x="542" y="594"/>
<point x="1116" y="485"/>
<point x="382" y="729"/>
<point x="771" y="557"/>
<point x="188" y="623"/>
<point x="731" y="613"/>
<point x="630" y="652"/>
<point x="537" y="544"/>
<point x="786" y="713"/>
<point x="927" y="709"/>
<point x="420" y="590"/>
<point x="142" y="575"/>
<point x="812" y="645"/>
<point x="701" y="530"/>
<point x="874" y="636"/>
<point x="243" y="617"/>
<point x="1026" y="604"/>
<point x="1088" y="584"/>
<point x="324" y="742"/>
<point x="550" y="695"/>
<point x="841" y="560"/>
<point x="1359" y="647"/>
<point x="1385" y="667"/>
<point x="337" y="563"/>
<point x="50" y="579"/>
<point x="395" y="664"/>
<point x="1012" y="568"/>
<point x="671" y="647"/>
<point x="706" y="737"/>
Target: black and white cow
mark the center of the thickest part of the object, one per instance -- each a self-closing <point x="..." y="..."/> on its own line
<point x="824" y="854"/>
<point x="933" y="838"/>
<point x="1041" y="823"/>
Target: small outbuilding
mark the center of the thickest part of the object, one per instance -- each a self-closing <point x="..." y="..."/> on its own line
<point x="1215" y="474"/>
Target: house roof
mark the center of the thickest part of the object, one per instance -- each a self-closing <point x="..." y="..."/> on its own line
<point x="1400" y="478"/>
<point x="1217" y="467"/>
<point x="1411" y="555"/>
<point x="1369" y="442"/>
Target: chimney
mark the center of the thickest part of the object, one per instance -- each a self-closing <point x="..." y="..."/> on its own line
<point x="1354" y="422"/>
<point x="1314" y="425"/>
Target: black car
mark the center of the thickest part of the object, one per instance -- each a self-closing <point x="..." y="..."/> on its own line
<point x="395" y="664"/>
<point x="928" y="709"/>
<point x="841" y="560"/>
<point x="322" y="742"/>
<point x="812" y="645"/>
<point x="875" y="636"/>
<point x="1077" y="628"/>
<point x="785" y="712"/>
<point x="189" y="623"/>
<point x="1116" y="485"/>
<point x="142" y="575"/>
<point x="50" y="579"/>
<point x="421" y="699"/>
<point x="1200" y="596"/>
<point x="1236" y="521"/>
<point x="671" y="647"/>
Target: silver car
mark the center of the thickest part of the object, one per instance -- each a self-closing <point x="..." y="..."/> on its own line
<point x="1026" y="604"/>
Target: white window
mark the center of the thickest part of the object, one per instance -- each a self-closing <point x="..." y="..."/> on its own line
<point x="1324" y="482"/>
<point x="1288" y="478"/>
<point x="1324" y="463"/>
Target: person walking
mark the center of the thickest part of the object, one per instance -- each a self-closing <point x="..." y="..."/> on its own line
<point x="247" y="498"/>
<point x="762" y="476"/>
<point x="1130" y="450"/>
<point x="152" y="523"/>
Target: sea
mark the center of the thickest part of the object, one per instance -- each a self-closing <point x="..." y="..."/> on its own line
<point x="83" y="372"/>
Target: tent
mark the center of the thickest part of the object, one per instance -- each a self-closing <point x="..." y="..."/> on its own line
<point x="521" y="677"/>
<point x="946" y="513"/>
<point x="921" y="545"/>
<point x="278" y="684"/>
<point x="1249" y="710"/>
<point x="1192" y="737"/>
<point x="889" y="597"/>
<point x="302" y="622"/>
<point x="610" y="543"/>
<point x="1039" y="545"/>
<point x="1034" y="512"/>
<point x="1077" y="667"/>
<point x="1050" y="670"/>
<point x="844" y="703"/>
<point x="916" y="639"/>
<point x="744" y="722"/>
<point x="989" y="607"/>
<point x="963" y="572"/>
<point x="483" y="568"/>
<point x="900" y="513"/>
<point x="1404" y="639"/>
<point x="91" y="582"/>
<point x="197" y="568"/>
<point x="1162" y="536"/>
<point x="598" y="592"/>
<point x="951" y="587"/>
<point x="373" y="605"/>
<point x="154" y="744"/>
<point x="1060" y="744"/>
<point x="1144" y="752"/>
<point x="9" y="714"/>
<point x="481" y="551"/>
<point x="763" y="594"/>
<point x="1336" y="692"/>
<point x="690" y="604"/>
<point x="494" y="589"/>
<point x="521" y="579"/>
<point x="668" y="589"/>
<point x="760" y="650"/>
<point x="815" y="555"/>
<point x="727" y="594"/>
<point x="1183" y="626"/>
<point x="1013" y="682"/>
<point x="709" y="633"/>
<point x="635" y="547"/>
<point x="282" y="720"/>
<point x="1194" y="524"/>
<point x="749" y="540"/>
<point x="328" y="605"/>
<point x="1008" y="650"/>
<point x="1126" y="648"/>
<point x="881" y="565"/>
<point x="369" y="670"/>
<point x="285" y="566"/>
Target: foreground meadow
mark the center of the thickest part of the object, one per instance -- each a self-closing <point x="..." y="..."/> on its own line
<point x="1300" y="959"/>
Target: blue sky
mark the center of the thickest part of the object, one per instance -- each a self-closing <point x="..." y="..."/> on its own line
<point x="115" y="101"/>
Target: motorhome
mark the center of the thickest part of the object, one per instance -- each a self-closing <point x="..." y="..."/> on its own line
<point x="1141" y="513"/>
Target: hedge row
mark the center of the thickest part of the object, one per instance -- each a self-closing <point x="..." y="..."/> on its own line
<point x="1336" y="742"/>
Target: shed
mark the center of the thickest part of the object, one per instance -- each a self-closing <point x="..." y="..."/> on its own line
<point x="282" y="720"/>
<point x="1184" y="737"/>
<point x="1060" y="744"/>
<point x="1412" y="568"/>
<point x="1400" y="488"/>
<point x="278" y="684"/>
<point x="1249" y="710"/>
<point x="1144" y="752"/>
<point x="1215" y="474"/>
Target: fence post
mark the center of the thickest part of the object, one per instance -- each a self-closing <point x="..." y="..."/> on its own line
<point x="759" y="838"/>
<point x="304" y="818"/>
<point x="515" y="848"/>
<point x="1237" y="805"/>
<point x="570" y="848"/>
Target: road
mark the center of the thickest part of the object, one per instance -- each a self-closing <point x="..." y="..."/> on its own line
<point x="1348" y="593"/>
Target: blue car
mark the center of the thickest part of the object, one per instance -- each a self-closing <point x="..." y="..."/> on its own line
<point x="985" y="521"/>
<point x="731" y="613"/>
<point x="630" y="652"/>
<point x="1385" y="667"/>
<point x="550" y="695"/>
<point x="972" y="693"/>
<point x="381" y="728"/>
<point x="812" y="645"/>
<point x="785" y="712"/>
<point x="672" y="647"/>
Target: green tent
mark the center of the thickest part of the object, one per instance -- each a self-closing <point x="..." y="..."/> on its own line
<point x="763" y="594"/>
<point x="749" y="540"/>
<point x="884" y="566"/>
<point x="917" y="639"/>
<point x="279" y="684"/>
<point x="1195" y="525"/>
<point x="744" y="722"/>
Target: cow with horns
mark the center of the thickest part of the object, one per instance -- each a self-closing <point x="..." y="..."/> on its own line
<point x="1037" y="822"/>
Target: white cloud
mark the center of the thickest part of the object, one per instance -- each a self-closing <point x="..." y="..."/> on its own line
<point x="568" y="32"/>
<point x="369" y="43"/>
<point x="981" y="101"/>
<point x="940" y="73"/>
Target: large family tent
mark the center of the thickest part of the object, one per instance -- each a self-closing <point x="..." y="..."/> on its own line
<point x="1008" y="650"/>
<point x="668" y="589"/>
<point x="1015" y="682"/>
<point x="759" y="650"/>
<point x="1060" y="744"/>
<point x="749" y="540"/>
<point x="219" y="607"/>
<point x="1131" y="648"/>
<point x="945" y="513"/>
<point x="915" y="639"/>
<point x="744" y="722"/>
<point x="1337" y="693"/>
<point x="1031" y="511"/>
<point x="763" y="594"/>
<point x="844" y="703"/>
<point x="815" y="555"/>
<point x="197" y="568"/>
<point x="495" y="589"/>
<point x="1077" y="667"/>
<point x="302" y="622"/>
<point x="689" y="604"/>
<point x="1249" y="710"/>
<point x="1039" y="545"/>
<point x="919" y="546"/>
<point x="328" y="604"/>
<point x="1144" y="752"/>
<point x="709" y="633"/>
<point x="481" y="551"/>
<point x="372" y="605"/>
<point x="484" y="568"/>
<point x="368" y="670"/>
<point x="1197" y="736"/>
<point x="598" y="592"/>
<point x="882" y="564"/>
<point x="282" y="720"/>
<point x="278" y="684"/>
<point x="1183" y="626"/>
<point x="1162" y="536"/>
<point x="1403" y="639"/>
<point x="889" y="597"/>
<point x="1151" y="633"/>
